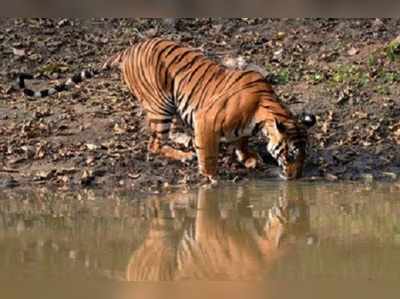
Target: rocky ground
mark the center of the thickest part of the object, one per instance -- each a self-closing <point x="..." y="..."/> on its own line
<point x="344" y="71"/>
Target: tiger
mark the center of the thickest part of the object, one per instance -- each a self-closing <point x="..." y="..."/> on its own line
<point x="216" y="103"/>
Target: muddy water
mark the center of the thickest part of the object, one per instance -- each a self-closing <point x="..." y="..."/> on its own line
<point x="259" y="240"/>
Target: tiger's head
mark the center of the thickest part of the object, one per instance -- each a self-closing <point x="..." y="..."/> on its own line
<point x="288" y="142"/>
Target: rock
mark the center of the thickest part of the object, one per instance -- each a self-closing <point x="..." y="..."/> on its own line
<point x="19" y="52"/>
<point x="377" y="24"/>
<point x="63" y="22"/>
<point x="280" y="35"/>
<point x="277" y="55"/>
<point x="352" y="51"/>
<point x="390" y="175"/>
<point x="92" y="147"/>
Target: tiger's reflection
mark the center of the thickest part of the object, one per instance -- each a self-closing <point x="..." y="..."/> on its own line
<point x="197" y="238"/>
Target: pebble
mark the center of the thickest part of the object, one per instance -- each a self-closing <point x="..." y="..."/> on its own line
<point x="390" y="175"/>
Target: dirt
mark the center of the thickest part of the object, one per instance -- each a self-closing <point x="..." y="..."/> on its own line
<point x="346" y="72"/>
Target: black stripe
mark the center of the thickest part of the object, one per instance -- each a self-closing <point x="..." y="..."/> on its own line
<point x="157" y="58"/>
<point x="256" y="82"/>
<point x="185" y="80"/>
<point x="196" y="70"/>
<point x="280" y="114"/>
<point x="219" y="72"/>
<point x="206" y="88"/>
<point x="188" y="82"/>
<point x="29" y="92"/>
<point x="256" y="128"/>
<point x="267" y="93"/>
<point x="20" y="83"/>
<point x="167" y="66"/>
<point x="191" y="120"/>
<point x="276" y="147"/>
<point x="176" y="58"/>
<point x="236" y="132"/>
<point x="223" y="79"/>
<point x="267" y="107"/>
<point x="279" y="154"/>
<point x="187" y="65"/>
<point x="163" y="88"/>
<point x="238" y="78"/>
<point x="195" y="87"/>
<point x="155" y="42"/>
<point x="227" y="97"/>
<point x="44" y="93"/>
<point x="174" y="47"/>
<point x="21" y="79"/>
<point x="140" y="58"/>
<point x="25" y="76"/>
<point x="222" y="108"/>
<point x="182" y="57"/>
<point x="186" y="119"/>
<point x="60" y="87"/>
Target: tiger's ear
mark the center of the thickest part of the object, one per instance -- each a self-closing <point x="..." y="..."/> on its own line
<point x="280" y="127"/>
<point x="307" y="119"/>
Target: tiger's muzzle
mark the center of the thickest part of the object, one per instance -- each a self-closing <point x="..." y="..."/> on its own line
<point x="291" y="172"/>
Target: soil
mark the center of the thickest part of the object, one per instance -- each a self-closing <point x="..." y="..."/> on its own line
<point x="346" y="72"/>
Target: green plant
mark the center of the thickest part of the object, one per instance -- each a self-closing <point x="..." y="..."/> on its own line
<point x="393" y="49"/>
<point x="350" y="74"/>
<point x="372" y="60"/>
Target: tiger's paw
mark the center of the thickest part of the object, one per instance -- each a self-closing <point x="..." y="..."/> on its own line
<point x="249" y="160"/>
<point x="209" y="180"/>
<point x="213" y="180"/>
<point x="187" y="156"/>
<point x="250" y="163"/>
<point x="209" y="177"/>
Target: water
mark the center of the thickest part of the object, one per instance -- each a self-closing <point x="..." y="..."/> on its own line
<point x="259" y="240"/>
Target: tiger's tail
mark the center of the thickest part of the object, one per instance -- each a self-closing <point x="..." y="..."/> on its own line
<point x="113" y="61"/>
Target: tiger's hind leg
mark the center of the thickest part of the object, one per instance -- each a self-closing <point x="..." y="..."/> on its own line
<point x="245" y="155"/>
<point x="178" y="133"/>
<point x="160" y="129"/>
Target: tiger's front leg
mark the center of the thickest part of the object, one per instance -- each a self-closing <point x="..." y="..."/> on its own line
<point x="245" y="155"/>
<point x="206" y="143"/>
<point x="160" y="130"/>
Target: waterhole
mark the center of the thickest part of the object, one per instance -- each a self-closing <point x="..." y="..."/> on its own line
<point x="258" y="240"/>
